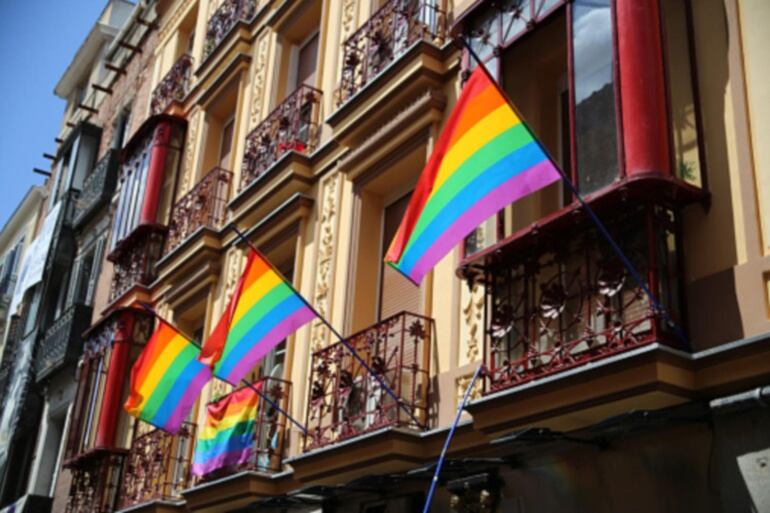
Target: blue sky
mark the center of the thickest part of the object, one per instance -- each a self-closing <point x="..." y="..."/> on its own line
<point x="38" y="38"/>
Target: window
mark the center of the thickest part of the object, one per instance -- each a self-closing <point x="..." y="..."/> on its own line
<point x="120" y="129"/>
<point x="226" y="144"/>
<point x="306" y="62"/>
<point x="396" y="292"/>
<point x="85" y="273"/>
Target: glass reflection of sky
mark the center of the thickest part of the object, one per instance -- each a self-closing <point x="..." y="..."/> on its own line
<point x="592" y="33"/>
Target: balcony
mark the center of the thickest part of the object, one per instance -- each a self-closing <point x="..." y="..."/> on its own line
<point x="174" y="86"/>
<point x="97" y="188"/>
<point x="346" y="401"/>
<point x="556" y="302"/>
<point x="157" y="466"/>
<point x="292" y="127"/>
<point x="205" y="206"/>
<point x="135" y="260"/>
<point x="224" y="19"/>
<point x="387" y="35"/>
<point x="95" y="480"/>
<point x="62" y="343"/>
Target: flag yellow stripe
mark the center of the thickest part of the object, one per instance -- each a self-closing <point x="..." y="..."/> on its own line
<point x="159" y="367"/>
<point x="489" y="127"/>
<point x="254" y="293"/>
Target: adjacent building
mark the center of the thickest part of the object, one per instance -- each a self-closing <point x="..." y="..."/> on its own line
<point x="608" y="385"/>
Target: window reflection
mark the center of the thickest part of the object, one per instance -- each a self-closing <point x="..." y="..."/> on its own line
<point x="595" y="122"/>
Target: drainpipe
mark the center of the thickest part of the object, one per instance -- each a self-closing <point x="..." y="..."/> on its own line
<point x="759" y="396"/>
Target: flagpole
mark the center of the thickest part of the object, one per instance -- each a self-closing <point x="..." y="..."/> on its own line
<point x="269" y="401"/>
<point x="658" y="308"/>
<point x="450" y="435"/>
<point x="326" y="323"/>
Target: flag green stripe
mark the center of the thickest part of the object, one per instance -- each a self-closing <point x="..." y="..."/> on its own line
<point x="170" y="376"/>
<point x="507" y="142"/>
<point x="255" y="314"/>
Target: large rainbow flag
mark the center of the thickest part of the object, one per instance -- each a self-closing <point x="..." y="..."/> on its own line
<point x="166" y="379"/>
<point x="227" y="437"/>
<point x="263" y="311"/>
<point x="484" y="159"/>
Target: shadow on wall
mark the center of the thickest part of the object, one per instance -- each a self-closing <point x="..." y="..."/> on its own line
<point x="710" y="236"/>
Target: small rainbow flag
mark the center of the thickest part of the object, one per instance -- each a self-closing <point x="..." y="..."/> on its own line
<point x="227" y="437"/>
<point x="166" y="379"/>
<point x="263" y="311"/>
<point x="484" y="159"/>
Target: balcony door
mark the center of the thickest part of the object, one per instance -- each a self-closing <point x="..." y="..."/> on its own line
<point x="226" y="144"/>
<point x="396" y="292"/>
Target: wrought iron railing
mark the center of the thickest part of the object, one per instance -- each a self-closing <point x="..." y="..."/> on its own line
<point x="135" y="262"/>
<point x="224" y="19"/>
<point x="157" y="466"/>
<point x="95" y="480"/>
<point x="205" y="205"/>
<point x="564" y="301"/>
<point x="97" y="188"/>
<point x="391" y="30"/>
<point x="269" y="431"/>
<point x="292" y="126"/>
<point x="346" y="401"/>
<point x="174" y="86"/>
<point x="62" y="343"/>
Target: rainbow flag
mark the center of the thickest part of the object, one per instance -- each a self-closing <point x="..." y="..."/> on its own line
<point x="263" y="311"/>
<point x="166" y="379"/>
<point x="227" y="437"/>
<point x="484" y="159"/>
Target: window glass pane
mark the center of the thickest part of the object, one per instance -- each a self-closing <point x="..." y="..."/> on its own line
<point x="684" y="125"/>
<point x="306" y="62"/>
<point x="515" y="15"/>
<point x="595" y="122"/>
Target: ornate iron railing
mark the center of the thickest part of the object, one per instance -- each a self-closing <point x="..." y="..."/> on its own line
<point x="174" y="86"/>
<point x="62" y="343"/>
<point x="97" y="187"/>
<point x="269" y="431"/>
<point x="566" y="300"/>
<point x="95" y="482"/>
<point x="391" y="30"/>
<point x="224" y="19"/>
<point x="346" y="401"/>
<point x="135" y="262"/>
<point x="292" y="126"/>
<point x="157" y="466"/>
<point x="205" y="205"/>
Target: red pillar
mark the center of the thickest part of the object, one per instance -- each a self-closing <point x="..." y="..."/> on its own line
<point x="112" y="401"/>
<point x="642" y="87"/>
<point x="157" y="166"/>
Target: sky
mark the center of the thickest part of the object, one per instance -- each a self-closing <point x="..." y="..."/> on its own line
<point x="38" y="39"/>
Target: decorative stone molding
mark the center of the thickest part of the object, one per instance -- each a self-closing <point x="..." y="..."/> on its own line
<point x="473" y="312"/>
<point x="462" y="386"/>
<point x="171" y="24"/>
<point x="260" y="73"/>
<point x="189" y="152"/>
<point x="234" y="269"/>
<point x="325" y="261"/>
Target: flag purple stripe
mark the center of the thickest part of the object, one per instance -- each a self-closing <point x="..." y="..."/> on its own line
<point x="282" y="330"/>
<point x="224" y="459"/>
<point x="187" y="401"/>
<point x="522" y="184"/>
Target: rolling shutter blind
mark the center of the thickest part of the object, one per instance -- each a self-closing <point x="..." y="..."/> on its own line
<point x="396" y="292"/>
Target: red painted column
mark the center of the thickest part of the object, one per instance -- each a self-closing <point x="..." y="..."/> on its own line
<point x="112" y="401"/>
<point x="157" y="166"/>
<point x="642" y="87"/>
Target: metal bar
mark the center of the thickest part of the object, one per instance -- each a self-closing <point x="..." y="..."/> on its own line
<point x="330" y="327"/>
<point x="448" y="440"/>
<point x="571" y="186"/>
<point x="49" y="156"/>
<point x="130" y="47"/>
<point x="87" y="108"/>
<point x="102" y="88"/>
<point x="41" y="171"/>
<point x="116" y="69"/>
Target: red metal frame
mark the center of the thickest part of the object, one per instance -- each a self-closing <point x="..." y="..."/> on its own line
<point x="563" y="303"/>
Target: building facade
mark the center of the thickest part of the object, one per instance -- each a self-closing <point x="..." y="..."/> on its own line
<point x="306" y="124"/>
